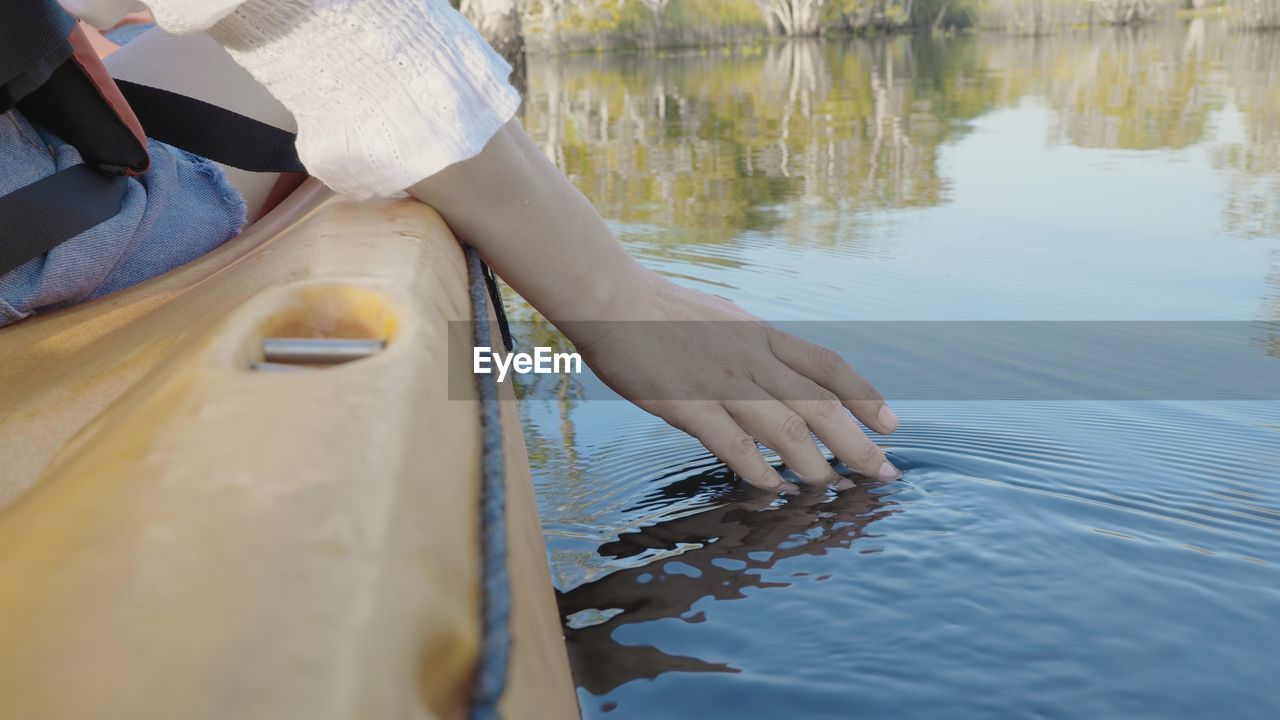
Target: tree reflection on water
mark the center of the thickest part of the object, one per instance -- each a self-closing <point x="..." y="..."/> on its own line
<point x="699" y="147"/>
<point x="711" y="162"/>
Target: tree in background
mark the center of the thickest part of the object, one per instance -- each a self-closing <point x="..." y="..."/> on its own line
<point x="499" y="22"/>
<point x="793" y="17"/>
<point x="1125" y="12"/>
<point x="894" y="15"/>
<point x="657" y="7"/>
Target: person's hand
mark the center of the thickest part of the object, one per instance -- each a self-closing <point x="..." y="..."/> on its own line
<point x="731" y="380"/>
<point x="698" y="362"/>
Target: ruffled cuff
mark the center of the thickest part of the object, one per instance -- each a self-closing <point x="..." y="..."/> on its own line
<point x="385" y="93"/>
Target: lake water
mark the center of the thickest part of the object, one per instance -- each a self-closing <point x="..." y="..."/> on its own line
<point x="1041" y="557"/>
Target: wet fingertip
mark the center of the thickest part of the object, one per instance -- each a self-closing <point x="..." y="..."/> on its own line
<point x="787" y="488"/>
<point x="887" y="419"/>
<point x="888" y="472"/>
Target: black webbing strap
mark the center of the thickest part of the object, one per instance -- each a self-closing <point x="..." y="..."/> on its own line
<point x="499" y="308"/>
<point x="211" y="131"/>
<point x="36" y="218"/>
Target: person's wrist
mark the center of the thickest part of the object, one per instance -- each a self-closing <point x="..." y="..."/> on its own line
<point x="632" y="296"/>
<point x="617" y="297"/>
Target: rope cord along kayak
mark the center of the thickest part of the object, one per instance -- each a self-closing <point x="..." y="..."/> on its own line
<point x="495" y="641"/>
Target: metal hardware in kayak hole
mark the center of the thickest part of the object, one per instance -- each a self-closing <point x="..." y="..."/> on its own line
<point x="285" y="354"/>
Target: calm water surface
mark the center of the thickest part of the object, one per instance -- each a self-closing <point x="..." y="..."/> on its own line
<point x="1038" y="559"/>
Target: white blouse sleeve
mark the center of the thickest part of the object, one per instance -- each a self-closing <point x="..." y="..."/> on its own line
<point x="385" y="92"/>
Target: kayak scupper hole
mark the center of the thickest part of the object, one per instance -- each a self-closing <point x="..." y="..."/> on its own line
<point x="320" y="327"/>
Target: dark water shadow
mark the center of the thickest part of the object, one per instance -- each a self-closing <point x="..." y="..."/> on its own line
<point x="730" y="547"/>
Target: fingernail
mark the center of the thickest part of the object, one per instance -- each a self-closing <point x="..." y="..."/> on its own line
<point x="888" y="419"/>
<point x="888" y="472"/>
<point x="787" y="488"/>
<point x="843" y="484"/>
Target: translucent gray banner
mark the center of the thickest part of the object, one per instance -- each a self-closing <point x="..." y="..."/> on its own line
<point x="1126" y="360"/>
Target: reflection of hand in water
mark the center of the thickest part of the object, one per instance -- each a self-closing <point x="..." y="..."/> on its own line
<point x="734" y="540"/>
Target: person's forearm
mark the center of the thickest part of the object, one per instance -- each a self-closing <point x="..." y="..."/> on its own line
<point x="727" y="378"/>
<point x="536" y="230"/>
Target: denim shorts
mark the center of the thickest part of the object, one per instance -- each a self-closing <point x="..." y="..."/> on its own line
<point x="182" y="208"/>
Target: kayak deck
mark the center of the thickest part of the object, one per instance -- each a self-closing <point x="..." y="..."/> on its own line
<point x="187" y="536"/>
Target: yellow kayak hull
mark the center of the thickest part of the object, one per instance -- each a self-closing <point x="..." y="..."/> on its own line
<point x="185" y="537"/>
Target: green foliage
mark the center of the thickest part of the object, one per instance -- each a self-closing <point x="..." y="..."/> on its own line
<point x="561" y="17"/>
<point x="633" y="16"/>
<point x="700" y="13"/>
